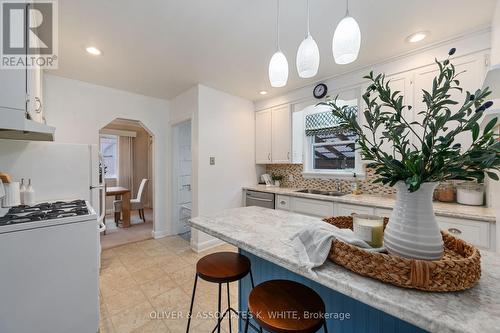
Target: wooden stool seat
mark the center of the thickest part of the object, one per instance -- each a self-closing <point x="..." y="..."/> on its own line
<point x="283" y="306"/>
<point x="223" y="267"/>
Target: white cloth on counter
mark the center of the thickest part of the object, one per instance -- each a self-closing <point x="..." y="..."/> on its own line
<point x="313" y="243"/>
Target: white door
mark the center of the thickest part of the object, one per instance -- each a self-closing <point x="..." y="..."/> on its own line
<point x="182" y="176"/>
<point x="263" y="137"/>
<point x="281" y="135"/>
<point x="473" y="70"/>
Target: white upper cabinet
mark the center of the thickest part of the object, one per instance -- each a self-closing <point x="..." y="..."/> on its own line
<point x="297" y="136"/>
<point x="13" y="89"/>
<point x="473" y="70"/>
<point x="263" y="137"/>
<point x="401" y="83"/>
<point x="273" y="135"/>
<point x="281" y="134"/>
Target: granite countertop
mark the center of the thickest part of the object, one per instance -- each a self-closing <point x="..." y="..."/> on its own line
<point x="477" y="213"/>
<point x="266" y="233"/>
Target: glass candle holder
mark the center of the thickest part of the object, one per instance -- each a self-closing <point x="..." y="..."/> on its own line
<point x="369" y="228"/>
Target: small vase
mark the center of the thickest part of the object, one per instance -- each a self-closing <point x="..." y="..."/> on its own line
<point x="277" y="183"/>
<point x="413" y="231"/>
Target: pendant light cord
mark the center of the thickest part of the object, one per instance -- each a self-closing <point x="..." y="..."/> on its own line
<point x="308" y="19"/>
<point x="278" y="25"/>
<point x="347" y="7"/>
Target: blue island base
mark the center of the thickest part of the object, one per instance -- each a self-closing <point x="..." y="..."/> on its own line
<point x="345" y="314"/>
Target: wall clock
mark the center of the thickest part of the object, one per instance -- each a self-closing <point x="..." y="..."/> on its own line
<point x="320" y="91"/>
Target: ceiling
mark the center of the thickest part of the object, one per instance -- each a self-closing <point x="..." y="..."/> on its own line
<point x="162" y="47"/>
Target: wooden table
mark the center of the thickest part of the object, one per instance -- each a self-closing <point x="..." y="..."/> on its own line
<point x="118" y="191"/>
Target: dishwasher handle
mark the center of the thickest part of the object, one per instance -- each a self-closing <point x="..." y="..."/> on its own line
<point x="259" y="199"/>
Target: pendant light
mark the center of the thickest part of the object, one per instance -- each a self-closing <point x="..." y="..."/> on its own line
<point x="308" y="54"/>
<point x="346" y="40"/>
<point x="278" y="66"/>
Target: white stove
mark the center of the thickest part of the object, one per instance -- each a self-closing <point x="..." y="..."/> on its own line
<point x="45" y="214"/>
<point x="50" y="268"/>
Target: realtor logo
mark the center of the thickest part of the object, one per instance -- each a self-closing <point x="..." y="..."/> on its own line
<point x="29" y="34"/>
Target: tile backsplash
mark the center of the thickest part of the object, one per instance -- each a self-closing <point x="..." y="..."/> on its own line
<point x="295" y="170"/>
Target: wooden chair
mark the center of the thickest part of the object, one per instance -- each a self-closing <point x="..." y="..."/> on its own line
<point x="137" y="203"/>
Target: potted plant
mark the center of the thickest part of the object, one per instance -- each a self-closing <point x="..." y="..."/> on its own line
<point x="425" y="152"/>
<point x="277" y="179"/>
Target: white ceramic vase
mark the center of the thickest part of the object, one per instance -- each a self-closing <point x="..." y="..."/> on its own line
<point x="413" y="231"/>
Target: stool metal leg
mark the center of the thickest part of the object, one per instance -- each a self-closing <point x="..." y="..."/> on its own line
<point x="248" y="319"/>
<point x="219" y="308"/>
<point x="192" y="302"/>
<point x="251" y="279"/>
<point x="229" y="307"/>
<point x="246" y="323"/>
<point x="324" y="326"/>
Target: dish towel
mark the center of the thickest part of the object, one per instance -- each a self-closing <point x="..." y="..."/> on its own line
<point x="313" y="243"/>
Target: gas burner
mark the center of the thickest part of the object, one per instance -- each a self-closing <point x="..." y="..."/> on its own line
<point x="44" y="211"/>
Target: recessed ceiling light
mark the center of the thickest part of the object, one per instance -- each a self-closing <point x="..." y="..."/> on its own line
<point x="263" y="92"/>
<point x="417" y="36"/>
<point x="93" y="50"/>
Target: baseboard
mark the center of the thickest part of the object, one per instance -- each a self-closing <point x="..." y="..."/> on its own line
<point x="211" y="243"/>
<point x="160" y="234"/>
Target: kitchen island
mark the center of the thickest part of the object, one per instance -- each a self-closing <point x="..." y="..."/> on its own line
<point x="355" y="303"/>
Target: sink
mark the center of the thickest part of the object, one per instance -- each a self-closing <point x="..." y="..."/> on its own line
<point x="330" y="193"/>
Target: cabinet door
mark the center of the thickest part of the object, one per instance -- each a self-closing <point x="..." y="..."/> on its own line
<point x="282" y="135"/>
<point x="13" y="89"/>
<point x="473" y="69"/>
<point x="311" y="207"/>
<point x="282" y="202"/>
<point x="401" y="83"/>
<point x="347" y="210"/>
<point x="475" y="232"/>
<point x="263" y="137"/>
<point x="34" y="94"/>
<point x="297" y="136"/>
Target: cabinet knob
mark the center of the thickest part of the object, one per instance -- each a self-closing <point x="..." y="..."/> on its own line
<point x="38" y="104"/>
<point x="269" y="156"/>
<point x="455" y="231"/>
<point x="283" y="202"/>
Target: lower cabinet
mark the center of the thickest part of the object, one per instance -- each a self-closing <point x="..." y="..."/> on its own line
<point x="342" y="209"/>
<point x="282" y="202"/>
<point x="479" y="233"/>
<point x="474" y="232"/>
<point x="311" y="207"/>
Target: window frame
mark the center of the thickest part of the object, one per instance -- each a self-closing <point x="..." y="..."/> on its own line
<point x="117" y="155"/>
<point x="309" y="144"/>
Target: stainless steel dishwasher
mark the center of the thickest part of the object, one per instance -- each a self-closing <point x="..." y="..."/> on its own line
<point x="260" y="199"/>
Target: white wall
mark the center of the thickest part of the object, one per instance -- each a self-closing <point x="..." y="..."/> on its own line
<point x="78" y="110"/>
<point x="495" y="36"/>
<point x="223" y="127"/>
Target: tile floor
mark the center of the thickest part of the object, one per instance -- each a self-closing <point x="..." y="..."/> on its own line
<point x="154" y="278"/>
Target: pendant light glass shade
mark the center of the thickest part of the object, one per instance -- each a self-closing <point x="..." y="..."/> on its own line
<point x="278" y="70"/>
<point x="308" y="58"/>
<point x="346" y="41"/>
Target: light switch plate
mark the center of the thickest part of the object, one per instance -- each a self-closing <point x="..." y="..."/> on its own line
<point x="212" y="160"/>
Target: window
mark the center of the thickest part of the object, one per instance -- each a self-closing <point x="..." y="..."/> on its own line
<point x="329" y="151"/>
<point x="109" y="151"/>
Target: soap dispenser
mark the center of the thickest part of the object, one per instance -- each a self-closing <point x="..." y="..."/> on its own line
<point x="29" y="196"/>
<point x="22" y="192"/>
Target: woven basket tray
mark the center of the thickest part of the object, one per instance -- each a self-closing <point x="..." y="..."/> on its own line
<point x="459" y="269"/>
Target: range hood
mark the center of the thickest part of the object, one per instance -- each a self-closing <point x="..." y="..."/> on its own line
<point x="15" y="126"/>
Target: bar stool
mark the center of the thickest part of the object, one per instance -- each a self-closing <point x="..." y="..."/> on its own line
<point x="221" y="267"/>
<point x="283" y="306"/>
